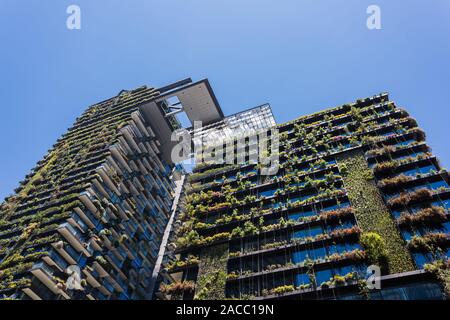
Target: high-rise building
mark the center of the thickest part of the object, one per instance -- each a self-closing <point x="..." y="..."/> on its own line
<point x="110" y="214"/>
<point x="89" y="220"/>
<point x="357" y="190"/>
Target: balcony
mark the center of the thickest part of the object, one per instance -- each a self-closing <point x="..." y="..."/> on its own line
<point x="45" y="274"/>
<point x="117" y="262"/>
<point x="108" y="285"/>
<point x="74" y="237"/>
<point x="92" y="278"/>
<point x="91" y="220"/>
<point x="77" y="256"/>
<point x="86" y="198"/>
<point x="137" y="263"/>
<point x="54" y="259"/>
<point x="120" y="283"/>
<point x="32" y="294"/>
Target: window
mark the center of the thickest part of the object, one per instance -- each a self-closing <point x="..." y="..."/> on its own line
<point x="323" y="275"/>
<point x="342" y="271"/>
<point x="318" y="253"/>
<point x="267" y="193"/>
<point x="301" y="214"/>
<point x="343" y="225"/>
<point x="299" y="256"/>
<point x="422" y="258"/>
<point x="421" y="170"/>
<point x="301" y="278"/>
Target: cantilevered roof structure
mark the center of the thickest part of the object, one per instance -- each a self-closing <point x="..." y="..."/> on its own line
<point x="195" y="99"/>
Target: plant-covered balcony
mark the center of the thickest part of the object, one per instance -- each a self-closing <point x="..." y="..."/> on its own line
<point x="177" y="265"/>
<point x="432" y="216"/>
<point x="177" y="289"/>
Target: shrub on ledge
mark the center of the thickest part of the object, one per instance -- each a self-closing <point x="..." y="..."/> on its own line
<point x="375" y="247"/>
<point x="336" y="214"/>
<point x="431" y="242"/>
<point x="177" y="288"/>
<point x="282" y="289"/>
<point x="340" y="233"/>
<point x="381" y="151"/>
<point x="190" y="261"/>
<point x="405" y="199"/>
<point x="431" y="215"/>
<point x="395" y="181"/>
<point x="384" y="166"/>
<point x="441" y="269"/>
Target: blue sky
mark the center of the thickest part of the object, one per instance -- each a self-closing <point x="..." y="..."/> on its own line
<point x="300" y="56"/>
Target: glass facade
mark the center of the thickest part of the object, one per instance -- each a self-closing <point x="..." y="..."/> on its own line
<point x="297" y="234"/>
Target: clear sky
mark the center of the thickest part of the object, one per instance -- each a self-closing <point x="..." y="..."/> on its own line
<point x="300" y="56"/>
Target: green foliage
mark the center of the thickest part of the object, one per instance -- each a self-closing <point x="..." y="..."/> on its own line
<point x="189" y="261"/>
<point x="374" y="246"/>
<point x="368" y="174"/>
<point x="216" y="171"/>
<point x="250" y="228"/>
<point x="343" y="169"/>
<point x="192" y="238"/>
<point x="433" y="215"/>
<point x="441" y="269"/>
<point x="282" y="289"/>
<point x="212" y="273"/>
<point x="432" y="242"/>
<point x="372" y="214"/>
<point x="177" y="289"/>
<point x="237" y="232"/>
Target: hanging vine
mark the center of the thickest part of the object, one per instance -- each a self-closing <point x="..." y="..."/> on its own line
<point x="441" y="269"/>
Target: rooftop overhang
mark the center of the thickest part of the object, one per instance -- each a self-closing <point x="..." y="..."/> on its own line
<point x="197" y="101"/>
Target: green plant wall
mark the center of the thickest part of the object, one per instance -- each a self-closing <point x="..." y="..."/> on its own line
<point x="371" y="212"/>
<point x="212" y="274"/>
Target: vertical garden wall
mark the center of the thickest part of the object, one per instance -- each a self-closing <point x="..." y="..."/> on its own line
<point x="372" y="214"/>
<point x="212" y="274"/>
